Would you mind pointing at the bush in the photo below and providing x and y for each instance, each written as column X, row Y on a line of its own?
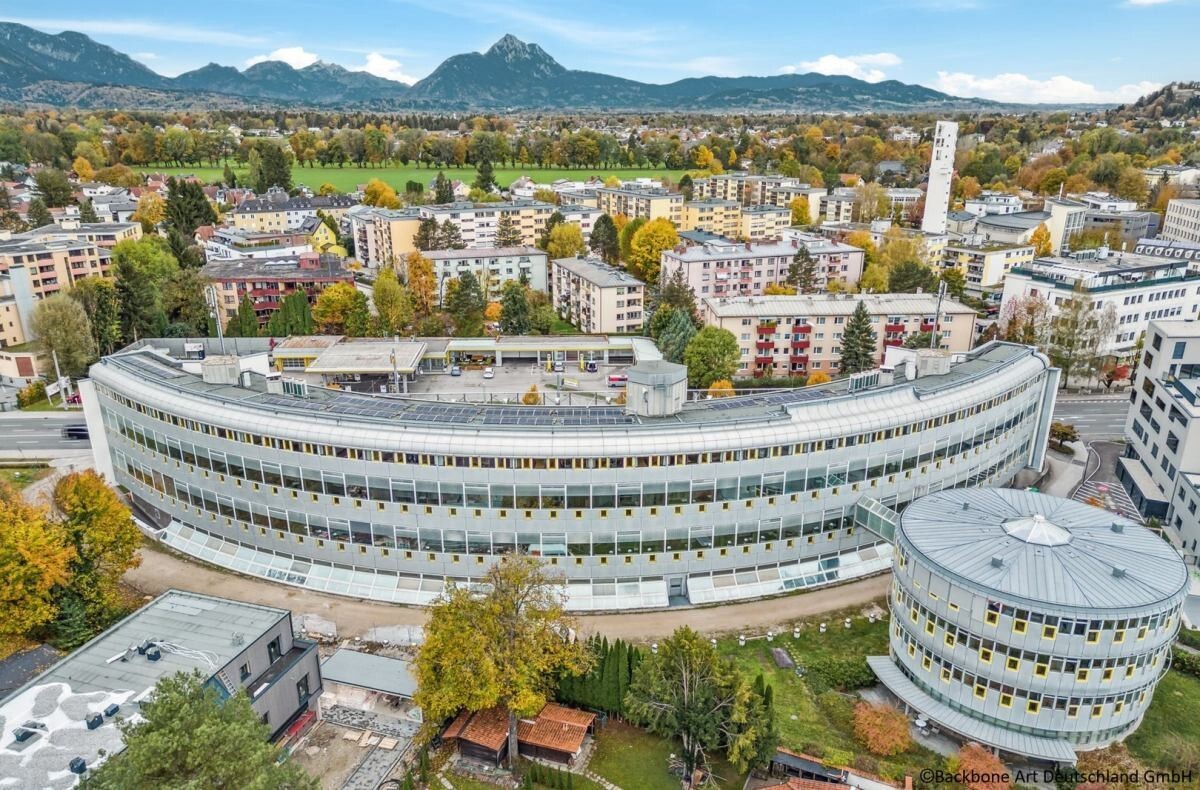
column 838, row 758
column 1190, row 637
column 770, row 383
column 843, row 674
column 883, row 729
column 1188, row 663
column 34, row 393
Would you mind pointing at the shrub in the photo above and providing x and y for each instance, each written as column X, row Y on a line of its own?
column 881, row 728
column 820, row 377
column 838, row 758
column 531, row 397
column 983, row 769
column 35, row 392
column 1190, row 637
column 843, row 674
column 1188, row 663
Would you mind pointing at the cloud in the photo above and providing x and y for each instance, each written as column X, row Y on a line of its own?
column 296, row 57
column 136, row 28
column 1147, row 2
column 385, row 67
column 1059, row 89
column 864, row 67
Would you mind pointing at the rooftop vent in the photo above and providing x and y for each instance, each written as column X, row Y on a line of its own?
column 78, row 766
column 153, row 653
column 997, row 561
column 94, row 721
column 1118, row 572
column 966, row 505
column 1118, row 527
column 111, row 710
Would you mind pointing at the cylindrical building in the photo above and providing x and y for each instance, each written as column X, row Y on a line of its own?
column 639, row 506
column 1033, row 624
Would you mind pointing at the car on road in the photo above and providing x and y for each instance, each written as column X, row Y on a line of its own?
column 455, row 370
column 76, row 431
column 489, row 373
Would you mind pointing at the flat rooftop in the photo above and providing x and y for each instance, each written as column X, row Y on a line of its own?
column 194, row 631
column 598, row 273
column 369, row 356
column 286, row 266
column 820, row 304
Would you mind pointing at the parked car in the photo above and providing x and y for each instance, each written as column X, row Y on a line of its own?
column 591, row 367
column 74, row 400
column 558, row 366
column 455, row 370
column 488, row 373
column 617, row 380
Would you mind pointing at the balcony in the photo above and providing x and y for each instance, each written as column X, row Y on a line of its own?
column 764, row 359
column 766, row 329
column 927, row 326
column 798, row 343
column 803, row 329
column 799, row 359
column 764, row 345
column 893, row 341
column 893, row 327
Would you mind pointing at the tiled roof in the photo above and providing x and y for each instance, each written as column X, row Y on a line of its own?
column 487, row 728
column 561, row 713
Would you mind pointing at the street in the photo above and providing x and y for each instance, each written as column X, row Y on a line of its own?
column 1094, row 417
column 24, row 432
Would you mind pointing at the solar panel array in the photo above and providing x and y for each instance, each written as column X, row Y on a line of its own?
column 784, row 398
column 151, row 368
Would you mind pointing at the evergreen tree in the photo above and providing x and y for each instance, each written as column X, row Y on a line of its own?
column 686, row 186
column 426, row 237
column 189, row 255
column 507, row 232
column 485, row 178
column 229, row 178
column 243, row 323
column 675, row 336
column 858, row 342
column 450, row 237
column 39, row 216
column 677, row 294
column 910, row 277
column 70, row 628
column 294, row 317
column 98, row 296
column 802, row 272
column 466, row 305
column 514, row 309
column 552, row 221
column 87, row 212
column 604, row 241
column 187, row 207
column 443, row 192
column 275, row 168
column 138, row 300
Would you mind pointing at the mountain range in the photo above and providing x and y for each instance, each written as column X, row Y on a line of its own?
column 70, row 69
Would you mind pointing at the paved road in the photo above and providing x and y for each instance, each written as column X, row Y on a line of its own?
column 23, row 432
column 1094, row 418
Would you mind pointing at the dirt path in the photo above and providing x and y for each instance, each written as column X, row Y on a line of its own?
column 161, row 570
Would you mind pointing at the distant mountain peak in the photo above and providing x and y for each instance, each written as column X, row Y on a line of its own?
column 515, row 52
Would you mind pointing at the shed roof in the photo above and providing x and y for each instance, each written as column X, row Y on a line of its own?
column 369, row 671
column 487, row 728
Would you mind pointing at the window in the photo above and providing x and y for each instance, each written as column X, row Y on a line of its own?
column 302, row 689
column 1019, row 626
column 1049, row 631
column 244, row 671
column 1013, row 664
column 1033, row 706
column 273, row 652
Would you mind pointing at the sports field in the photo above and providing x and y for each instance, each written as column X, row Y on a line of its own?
column 345, row 179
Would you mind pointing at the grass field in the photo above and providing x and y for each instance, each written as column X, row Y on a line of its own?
column 1170, row 725
column 633, row 758
column 345, row 179
column 20, row 476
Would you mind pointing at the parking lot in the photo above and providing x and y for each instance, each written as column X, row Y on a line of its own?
column 513, row 379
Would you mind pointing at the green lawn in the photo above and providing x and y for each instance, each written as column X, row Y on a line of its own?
column 346, row 179
column 811, row 717
column 20, row 476
column 46, row 405
column 633, row 759
column 1170, row 730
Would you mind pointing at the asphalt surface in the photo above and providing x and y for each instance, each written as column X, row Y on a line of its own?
column 23, row 432
column 1094, row 418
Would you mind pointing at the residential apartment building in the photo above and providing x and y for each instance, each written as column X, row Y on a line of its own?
column 268, row 281
column 279, row 212
column 728, row 268
column 713, row 215
column 1062, row 218
column 477, row 222
column 644, row 203
column 1140, row 288
column 1161, row 464
column 1182, row 221
column 993, row 203
column 596, row 297
column 985, row 265
column 797, row 335
column 101, row 234
column 232, row 243
column 931, row 246
column 758, row 223
column 751, row 190
column 838, row 206
column 784, row 195
column 492, row 267
column 16, row 306
column 383, row 236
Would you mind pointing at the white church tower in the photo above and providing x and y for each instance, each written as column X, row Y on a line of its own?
column 941, row 170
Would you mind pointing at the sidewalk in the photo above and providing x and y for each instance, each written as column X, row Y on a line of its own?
column 41, row 415
column 1065, row 476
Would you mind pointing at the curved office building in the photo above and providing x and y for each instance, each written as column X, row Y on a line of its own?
column 666, row 500
column 1032, row 624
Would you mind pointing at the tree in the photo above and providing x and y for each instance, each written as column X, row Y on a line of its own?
column 531, row 397
column 466, row 304
column 62, row 327
column 625, row 237
column 142, row 268
column 53, row 187
column 647, row 246
column 911, row 277
column 899, row 248
column 552, row 222
column 244, row 322
column 184, row 303
column 341, row 309
column 1079, row 333
column 721, row 388
column 294, row 316
column 955, row 281
column 422, row 284
column 678, row 294
column 687, row 691
column 98, row 297
column 392, row 302
column 35, row 559
column 1040, row 239
column 184, row 249
column 711, row 354
column 87, row 212
column 187, row 207
column 862, row 239
column 604, row 240
column 801, row 213
column 1025, row 320
column 819, row 377
column 83, row 169
column 504, row 642
column 565, row 241
column 378, row 193
column 984, row 769
column 274, row 169
column 485, row 177
column 38, row 215
column 675, row 335
column 443, row 192
column 1061, row 433
column 426, row 237
column 186, row 736
column 514, row 309
column 858, row 342
column 508, row 234
column 450, row 237
column 101, row 530
column 151, row 210
column 802, row 272
column 882, row 728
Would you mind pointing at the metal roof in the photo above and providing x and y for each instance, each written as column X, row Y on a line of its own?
column 963, row 724
column 369, row 671
column 1076, row 556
